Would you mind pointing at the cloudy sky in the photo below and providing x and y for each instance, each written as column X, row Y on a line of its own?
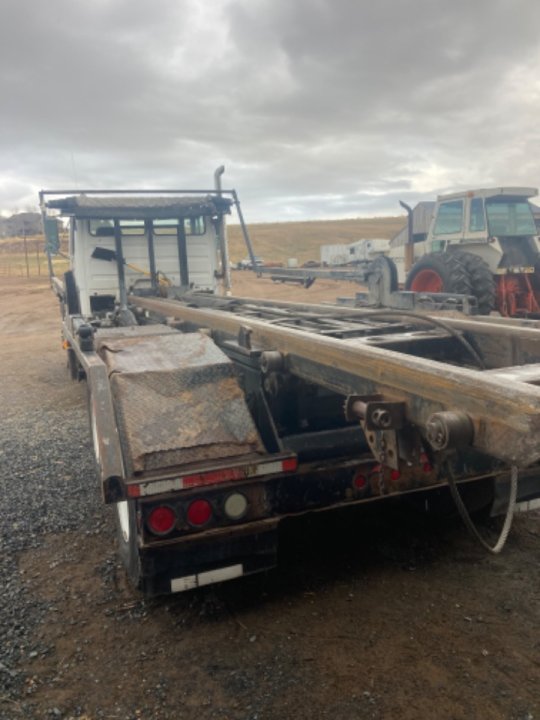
column 317, row 108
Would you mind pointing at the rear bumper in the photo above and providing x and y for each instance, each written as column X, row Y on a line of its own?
column 205, row 559
column 226, row 551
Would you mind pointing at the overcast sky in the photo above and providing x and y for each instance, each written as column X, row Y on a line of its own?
column 317, row 108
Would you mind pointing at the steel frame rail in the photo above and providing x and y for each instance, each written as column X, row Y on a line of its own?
column 504, row 414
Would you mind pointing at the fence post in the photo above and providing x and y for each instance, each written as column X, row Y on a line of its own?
column 26, row 254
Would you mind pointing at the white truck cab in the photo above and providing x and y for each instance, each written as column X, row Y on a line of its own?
column 167, row 243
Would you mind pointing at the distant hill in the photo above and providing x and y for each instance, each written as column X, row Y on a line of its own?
column 302, row 240
column 272, row 241
column 18, row 224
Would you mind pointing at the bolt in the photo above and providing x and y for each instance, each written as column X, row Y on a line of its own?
column 381, row 418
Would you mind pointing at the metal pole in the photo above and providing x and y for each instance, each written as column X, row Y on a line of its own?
column 247, row 239
column 222, row 235
column 120, row 265
column 26, row 254
column 37, row 259
column 409, row 246
column 151, row 253
column 182, row 253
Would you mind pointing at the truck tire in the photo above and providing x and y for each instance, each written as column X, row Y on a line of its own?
column 439, row 273
column 126, row 532
column 75, row 370
column 482, row 280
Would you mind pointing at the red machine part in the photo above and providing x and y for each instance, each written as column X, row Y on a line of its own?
column 516, row 295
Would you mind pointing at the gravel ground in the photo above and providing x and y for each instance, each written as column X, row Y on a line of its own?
column 378, row 615
column 43, row 460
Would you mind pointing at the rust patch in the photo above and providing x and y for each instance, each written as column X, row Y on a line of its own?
column 177, row 402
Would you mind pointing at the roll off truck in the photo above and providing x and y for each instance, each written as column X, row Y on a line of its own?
column 214, row 417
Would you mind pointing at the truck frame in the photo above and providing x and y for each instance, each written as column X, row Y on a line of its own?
column 213, row 418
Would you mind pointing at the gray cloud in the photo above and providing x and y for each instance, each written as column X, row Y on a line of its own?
column 318, row 108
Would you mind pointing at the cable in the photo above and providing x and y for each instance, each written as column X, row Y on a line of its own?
column 437, row 323
column 471, row 527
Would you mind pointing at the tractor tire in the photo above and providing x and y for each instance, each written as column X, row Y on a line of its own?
column 482, row 280
column 439, row 273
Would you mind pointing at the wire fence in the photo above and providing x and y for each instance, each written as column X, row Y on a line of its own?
column 26, row 257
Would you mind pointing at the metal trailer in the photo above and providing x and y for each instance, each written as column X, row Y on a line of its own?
column 213, row 418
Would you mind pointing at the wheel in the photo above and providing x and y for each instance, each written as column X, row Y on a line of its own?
column 382, row 279
column 482, row 280
column 126, row 532
column 72, row 296
column 439, row 273
column 75, row 370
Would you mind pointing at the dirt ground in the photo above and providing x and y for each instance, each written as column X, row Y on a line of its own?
column 373, row 614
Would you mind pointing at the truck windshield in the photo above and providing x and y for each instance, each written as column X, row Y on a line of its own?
column 509, row 217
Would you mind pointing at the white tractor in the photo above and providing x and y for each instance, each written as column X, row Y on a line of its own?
column 482, row 243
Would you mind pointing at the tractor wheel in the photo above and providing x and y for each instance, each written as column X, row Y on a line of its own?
column 482, row 280
column 439, row 273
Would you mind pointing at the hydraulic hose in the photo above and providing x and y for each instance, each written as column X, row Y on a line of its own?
column 435, row 323
column 469, row 524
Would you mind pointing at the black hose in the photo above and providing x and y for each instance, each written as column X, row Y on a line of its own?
column 436, row 323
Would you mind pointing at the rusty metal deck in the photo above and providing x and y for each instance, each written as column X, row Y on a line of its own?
column 176, row 398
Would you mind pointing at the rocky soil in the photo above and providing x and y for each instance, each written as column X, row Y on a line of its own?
column 374, row 614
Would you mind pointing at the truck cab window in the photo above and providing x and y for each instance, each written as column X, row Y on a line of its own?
column 168, row 226
column 101, row 228
column 132, row 227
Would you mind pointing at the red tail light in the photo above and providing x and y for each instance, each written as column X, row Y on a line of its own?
column 426, row 465
column 199, row 512
column 161, row 520
column 360, row 481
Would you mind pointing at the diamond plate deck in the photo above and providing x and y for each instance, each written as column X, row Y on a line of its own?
column 177, row 401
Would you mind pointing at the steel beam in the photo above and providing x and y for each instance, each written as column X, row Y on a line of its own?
column 105, row 437
column 505, row 415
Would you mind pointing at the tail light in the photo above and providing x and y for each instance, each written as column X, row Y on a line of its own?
column 235, row 506
column 360, row 481
column 199, row 513
column 426, row 465
column 161, row 520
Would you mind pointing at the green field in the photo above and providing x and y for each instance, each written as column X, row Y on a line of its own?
column 272, row 241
